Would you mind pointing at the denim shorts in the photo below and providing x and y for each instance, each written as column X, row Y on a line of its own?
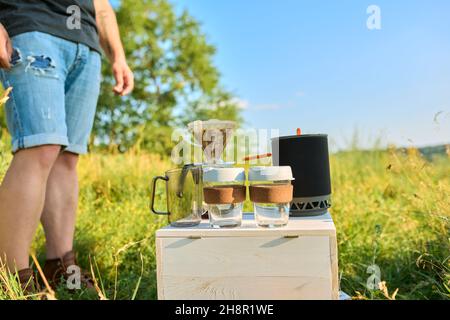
column 56, row 84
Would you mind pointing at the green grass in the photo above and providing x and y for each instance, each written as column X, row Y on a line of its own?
column 390, row 209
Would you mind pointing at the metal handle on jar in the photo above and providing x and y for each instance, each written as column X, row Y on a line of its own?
column 152, row 200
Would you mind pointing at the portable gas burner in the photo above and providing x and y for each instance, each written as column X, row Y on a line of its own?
column 308, row 157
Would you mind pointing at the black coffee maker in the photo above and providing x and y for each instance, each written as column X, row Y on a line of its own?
column 309, row 159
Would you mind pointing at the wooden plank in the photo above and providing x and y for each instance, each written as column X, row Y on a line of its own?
column 334, row 267
column 233, row 257
column 321, row 225
column 246, row 288
column 159, row 266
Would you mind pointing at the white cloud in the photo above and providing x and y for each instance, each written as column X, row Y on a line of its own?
column 241, row 104
column 272, row 106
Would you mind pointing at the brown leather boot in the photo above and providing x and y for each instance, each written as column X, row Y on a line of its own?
column 27, row 280
column 57, row 273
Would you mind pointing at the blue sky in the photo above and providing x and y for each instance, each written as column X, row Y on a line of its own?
column 315, row 65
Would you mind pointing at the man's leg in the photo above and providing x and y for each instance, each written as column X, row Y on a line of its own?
column 82, row 90
column 22, row 196
column 59, row 214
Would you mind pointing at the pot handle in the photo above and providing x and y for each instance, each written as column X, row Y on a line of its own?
column 152, row 200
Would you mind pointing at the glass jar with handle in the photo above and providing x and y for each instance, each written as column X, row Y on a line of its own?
column 184, row 196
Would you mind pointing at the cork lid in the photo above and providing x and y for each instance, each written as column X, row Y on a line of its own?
column 270, row 174
column 214, row 174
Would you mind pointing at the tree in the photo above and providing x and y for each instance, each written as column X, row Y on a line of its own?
column 175, row 78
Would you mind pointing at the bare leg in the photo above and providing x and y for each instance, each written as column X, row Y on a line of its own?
column 59, row 214
column 22, row 196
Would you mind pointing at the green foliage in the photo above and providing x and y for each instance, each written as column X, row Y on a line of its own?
column 174, row 73
column 2, row 112
column 2, row 122
column 157, row 139
column 221, row 105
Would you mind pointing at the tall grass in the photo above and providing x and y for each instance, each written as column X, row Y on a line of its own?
column 391, row 209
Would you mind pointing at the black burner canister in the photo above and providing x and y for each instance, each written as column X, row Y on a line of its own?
column 309, row 159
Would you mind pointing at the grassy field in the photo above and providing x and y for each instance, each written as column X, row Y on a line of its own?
column 391, row 209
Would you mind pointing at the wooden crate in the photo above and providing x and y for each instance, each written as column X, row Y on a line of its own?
column 298, row 261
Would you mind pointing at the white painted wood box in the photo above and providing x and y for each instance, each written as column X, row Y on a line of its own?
column 298, row 261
